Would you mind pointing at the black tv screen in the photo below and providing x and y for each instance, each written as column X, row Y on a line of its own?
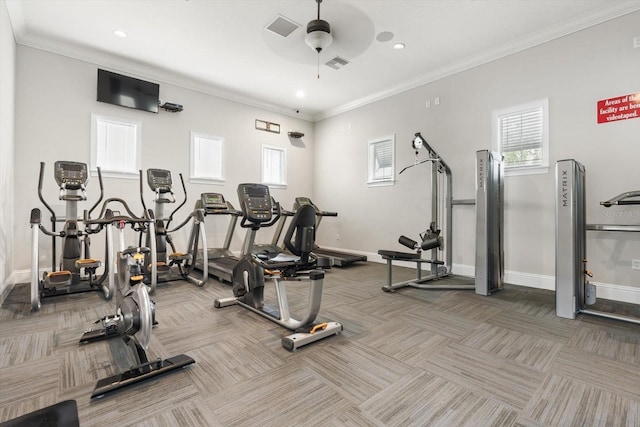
column 127, row 91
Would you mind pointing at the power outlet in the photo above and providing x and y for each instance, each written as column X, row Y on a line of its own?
column 338, row 238
column 635, row 264
column 636, row 42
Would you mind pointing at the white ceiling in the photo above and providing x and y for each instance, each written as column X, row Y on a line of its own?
column 222, row 47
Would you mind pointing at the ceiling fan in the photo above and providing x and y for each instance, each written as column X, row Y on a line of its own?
column 318, row 35
column 321, row 36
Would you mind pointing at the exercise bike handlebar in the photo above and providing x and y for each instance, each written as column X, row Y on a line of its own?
column 276, row 213
column 107, row 217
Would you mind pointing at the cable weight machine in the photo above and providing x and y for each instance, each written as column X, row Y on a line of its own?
column 438, row 237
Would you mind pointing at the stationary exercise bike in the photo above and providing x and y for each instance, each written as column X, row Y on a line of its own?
column 135, row 315
column 134, row 320
column 250, row 272
column 67, row 277
column 108, row 219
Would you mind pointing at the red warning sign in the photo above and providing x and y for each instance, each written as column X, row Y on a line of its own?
column 619, row 108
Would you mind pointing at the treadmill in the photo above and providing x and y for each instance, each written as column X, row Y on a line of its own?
column 340, row 259
column 221, row 260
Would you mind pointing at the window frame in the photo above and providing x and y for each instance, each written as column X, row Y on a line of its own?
column 498, row 115
column 220, row 180
column 371, row 180
column 130, row 174
column 283, row 169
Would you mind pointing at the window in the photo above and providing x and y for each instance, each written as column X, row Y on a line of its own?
column 207, row 166
column 115, row 146
column 274, row 166
column 381, row 161
column 521, row 134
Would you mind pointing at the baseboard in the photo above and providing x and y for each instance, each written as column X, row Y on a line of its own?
column 609, row 291
column 8, row 286
column 23, row 276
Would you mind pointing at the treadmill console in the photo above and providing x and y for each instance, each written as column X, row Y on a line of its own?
column 303, row 201
column 255, row 201
column 70, row 175
column 159, row 180
column 212, row 202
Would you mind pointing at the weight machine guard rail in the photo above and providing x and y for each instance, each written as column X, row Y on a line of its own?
column 613, row 227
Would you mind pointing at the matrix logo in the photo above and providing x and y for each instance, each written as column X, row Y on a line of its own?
column 565, row 188
column 481, row 173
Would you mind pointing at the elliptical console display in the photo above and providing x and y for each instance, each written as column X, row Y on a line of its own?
column 159, row 180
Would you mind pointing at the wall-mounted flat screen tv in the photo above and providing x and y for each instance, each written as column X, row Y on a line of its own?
column 127, row 91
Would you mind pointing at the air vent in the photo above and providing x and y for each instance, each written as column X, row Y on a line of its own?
column 336, row 63
column 282, row 26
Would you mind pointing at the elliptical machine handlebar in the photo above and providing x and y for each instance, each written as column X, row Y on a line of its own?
column 184, row 191
column 101, row 191
column 41, row 197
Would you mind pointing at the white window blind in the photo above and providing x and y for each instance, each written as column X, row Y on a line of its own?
column 522, row 137
column 115, row 146
column 381, row 160
column 274, row 165
column 207, row 164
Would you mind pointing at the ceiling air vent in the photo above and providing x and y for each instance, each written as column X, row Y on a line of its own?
column 336, row 63
column 282, row 26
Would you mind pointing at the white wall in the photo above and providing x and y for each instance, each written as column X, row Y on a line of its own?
column 55, row 96
column 7, row 112
column 573, row 72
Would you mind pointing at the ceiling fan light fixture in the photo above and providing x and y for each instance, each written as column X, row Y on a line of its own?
column 318, row 35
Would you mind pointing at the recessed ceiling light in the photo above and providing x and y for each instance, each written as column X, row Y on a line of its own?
column 300, row 94
column 120, row 33
column 398, row 46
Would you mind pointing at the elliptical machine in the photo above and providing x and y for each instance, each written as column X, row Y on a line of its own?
column 164, row 266
column 67, row 277
column 249, row 274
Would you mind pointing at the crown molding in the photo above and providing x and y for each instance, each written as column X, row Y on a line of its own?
column 616, row 10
